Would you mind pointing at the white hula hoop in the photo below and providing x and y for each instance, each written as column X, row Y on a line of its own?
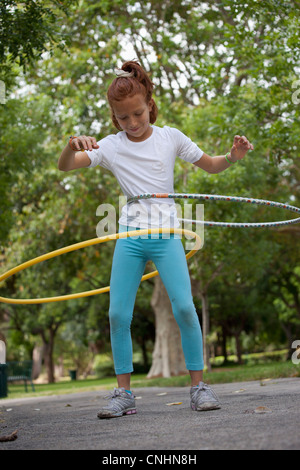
column 216, row 197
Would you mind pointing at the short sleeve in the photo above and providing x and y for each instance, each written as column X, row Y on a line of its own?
column 186, row 149
column 104, row 155
column 95, row 156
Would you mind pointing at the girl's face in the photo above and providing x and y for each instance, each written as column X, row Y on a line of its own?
column 133, row 116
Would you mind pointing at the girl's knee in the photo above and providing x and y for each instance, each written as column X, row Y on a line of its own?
column 185, row 314
column 119, row 317
column 114, row 315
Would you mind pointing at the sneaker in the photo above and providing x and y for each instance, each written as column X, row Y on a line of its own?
column 203, row 398
column 121, row 403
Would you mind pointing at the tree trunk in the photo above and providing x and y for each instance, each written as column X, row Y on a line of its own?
column 238, row 347
column 224, row 349
column 48, row 355
column 2, row 337
column 167, row 357
column 205, row 330
column 37, row 357
column 289, row 336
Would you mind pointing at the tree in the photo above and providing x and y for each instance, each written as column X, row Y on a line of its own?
column 283, row 284
column 220, row 69
column 28, row 29
column 167, row 358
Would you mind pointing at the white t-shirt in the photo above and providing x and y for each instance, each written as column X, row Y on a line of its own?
column 146, row 167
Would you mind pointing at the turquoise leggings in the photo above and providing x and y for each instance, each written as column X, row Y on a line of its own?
column 130, row 258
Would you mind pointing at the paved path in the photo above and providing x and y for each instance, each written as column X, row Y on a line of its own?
column 70, row 421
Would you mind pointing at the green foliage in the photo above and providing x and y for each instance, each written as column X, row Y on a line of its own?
column 29, row 28
column 263, row 371
column 220, row 69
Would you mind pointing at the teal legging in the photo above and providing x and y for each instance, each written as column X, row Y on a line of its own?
column 130, row 258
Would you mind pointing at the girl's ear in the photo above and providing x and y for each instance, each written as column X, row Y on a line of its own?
column 152, row 110
column 115, row 121
column 150, row 105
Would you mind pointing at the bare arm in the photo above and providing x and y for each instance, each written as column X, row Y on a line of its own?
column 240, row 147
column 71, row 159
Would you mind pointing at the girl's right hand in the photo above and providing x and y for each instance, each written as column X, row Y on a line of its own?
column 83, row 143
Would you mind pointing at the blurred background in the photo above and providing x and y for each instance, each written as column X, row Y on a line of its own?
column 220, row 68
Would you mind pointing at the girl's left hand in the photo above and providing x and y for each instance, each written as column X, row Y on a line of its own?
column 240, row 147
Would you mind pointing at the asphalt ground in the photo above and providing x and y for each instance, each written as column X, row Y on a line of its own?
column 257, row 415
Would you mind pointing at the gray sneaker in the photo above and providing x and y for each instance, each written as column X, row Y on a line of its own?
column 121, row 403
column 203, row 398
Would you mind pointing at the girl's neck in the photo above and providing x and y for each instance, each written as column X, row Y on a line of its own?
column 141, row 138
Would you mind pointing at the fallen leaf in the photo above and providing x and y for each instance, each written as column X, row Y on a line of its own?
column 11, row 437
column 262, row 382
column 262, row 409
column 240, row 391
column 175, row 403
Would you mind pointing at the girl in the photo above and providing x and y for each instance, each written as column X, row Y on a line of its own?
column 142, row 158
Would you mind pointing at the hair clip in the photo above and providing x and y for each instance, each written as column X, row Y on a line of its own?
column 122, row 73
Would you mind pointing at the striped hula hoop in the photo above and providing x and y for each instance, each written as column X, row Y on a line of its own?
column 216, row 197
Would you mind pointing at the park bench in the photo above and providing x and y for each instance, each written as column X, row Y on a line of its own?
column 20, row 370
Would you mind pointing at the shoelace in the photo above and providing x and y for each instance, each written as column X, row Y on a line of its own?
column 115, row 394
column 205, row 387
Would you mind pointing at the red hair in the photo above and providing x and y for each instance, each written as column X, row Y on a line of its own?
column 124, row 87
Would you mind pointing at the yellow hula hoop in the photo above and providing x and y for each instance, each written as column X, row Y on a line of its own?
column 78, row 246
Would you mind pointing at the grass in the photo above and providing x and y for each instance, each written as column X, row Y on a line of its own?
column 232, row 373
